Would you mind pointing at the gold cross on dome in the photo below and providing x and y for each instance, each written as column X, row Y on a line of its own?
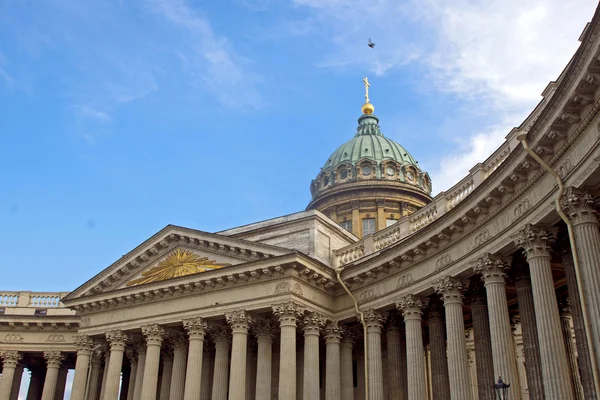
column 367, row 84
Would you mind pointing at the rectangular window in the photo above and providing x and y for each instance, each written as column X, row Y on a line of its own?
column 390, row 222
column 347, row 225
column 368, row 226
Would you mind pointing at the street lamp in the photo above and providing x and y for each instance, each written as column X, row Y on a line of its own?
column 501, row 389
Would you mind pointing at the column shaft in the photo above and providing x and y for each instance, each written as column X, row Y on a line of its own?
column 10, row 360
column 53, row 360
column 167, row 377
column 177, row 386
column 84, row 352
column 553, row 356
column 93, row 389
column 287, row 314
column 16, row 386
column 393, row 359
column 196, row 329
column 264, row 367
column 221, row 374
column 411, row 308
column 437, row 345
column 36, row 383
column 132, row 374
column 139, row 374
column 208, row 365
column 533, row 363
column 333, row 383
column 460, row 382
column 117, row 341
column 565, row 321
column 584, row 360
column 311, row 366
column 347, row 379
column 484, row 364
column 154, row 337
column 61, row 384
column 374, row 324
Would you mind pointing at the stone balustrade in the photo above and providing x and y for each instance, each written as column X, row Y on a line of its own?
column 32, row 299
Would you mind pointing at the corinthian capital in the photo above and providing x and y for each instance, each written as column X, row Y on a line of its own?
column 117, row 339
column 313, row 323
column 451, row 289
column 195, row 327
column 84, row 344
column 288, row 313
column 333, row 332
column 10, row 358
column 535, row 241
column 374, row 319
column 239, row 321
column 263, row 328
column 154, row 334
column 411, row 306
column 53, row 358
column 491, row 268
column 579, row 206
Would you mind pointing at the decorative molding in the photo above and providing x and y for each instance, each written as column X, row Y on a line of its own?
column 288, row 287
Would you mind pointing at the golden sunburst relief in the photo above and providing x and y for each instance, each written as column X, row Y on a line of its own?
column 179, row 263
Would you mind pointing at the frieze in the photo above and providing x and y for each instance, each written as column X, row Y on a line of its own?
column 367, row 295
column 55, row 339
column 12, row 338
column 443, row 262
column 521, row 208
column 564, row 168
column 482, row 237
column 288, row 287
column 404, row 281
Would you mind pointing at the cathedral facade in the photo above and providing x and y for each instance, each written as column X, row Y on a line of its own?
column 376, row 291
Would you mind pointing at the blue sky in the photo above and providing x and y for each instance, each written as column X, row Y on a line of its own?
column 120, row 117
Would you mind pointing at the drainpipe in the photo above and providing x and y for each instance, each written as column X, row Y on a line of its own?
column 561, row 188
column 361, row 315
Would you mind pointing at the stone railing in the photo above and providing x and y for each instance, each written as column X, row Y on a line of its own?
column 442, row 203
column 32, row 299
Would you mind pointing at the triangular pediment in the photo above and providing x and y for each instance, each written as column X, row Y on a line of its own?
column 172, row 253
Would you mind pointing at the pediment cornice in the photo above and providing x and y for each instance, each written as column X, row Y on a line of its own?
column 165, row 241
column 295, row 264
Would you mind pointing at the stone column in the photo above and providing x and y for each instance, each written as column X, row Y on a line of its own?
column 139, row 374
column 167, row 372
column 196, row 329
column 287, row 314
column 347, row 378
column 117, row 340
column 133, row 361
column 221, row 374
column 177, row 386
column 10, row 360
column 451, row 290
column 239, row 321
column 333, row 383
column 104, row 372
column 53, row 360
column 154, row 337
column 394, row 374
column 61, row 384
column 264, row 334
column 208, row 366
column 579, row 206
column 85, row 345
column 565, row 321
column 374, row 321
column 411, row 308
column 312, row 326
column 555, row 374
column 437, row 344
column 531, row 349
column 36, row 383
column 584, row 360
column 484, row 360
column 251, row 362
column 503, row 350
column 93, row 389
column 16, row 386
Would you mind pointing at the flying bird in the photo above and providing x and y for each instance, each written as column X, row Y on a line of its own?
column 371, row 44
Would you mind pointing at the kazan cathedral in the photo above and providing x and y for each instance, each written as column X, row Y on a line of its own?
column 490, row 290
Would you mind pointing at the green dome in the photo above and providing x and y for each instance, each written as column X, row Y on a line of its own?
column 369, row 143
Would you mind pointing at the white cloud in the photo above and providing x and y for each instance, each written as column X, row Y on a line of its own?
column 90, row 112
column 497, row 57
column 210, row 57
